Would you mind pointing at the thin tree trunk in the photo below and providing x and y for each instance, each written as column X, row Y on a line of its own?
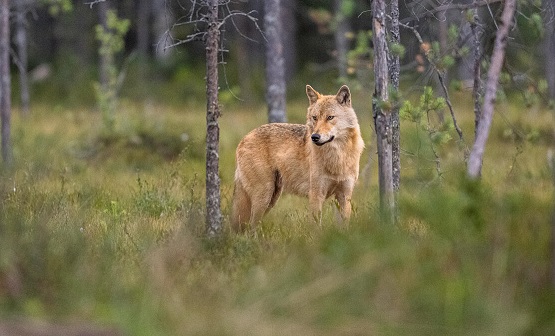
column 553, row 229
column 143, row 44
column 341, row 42
column 289, row 37
column 465, row 66
column 161, row 25
column 497, row 58
column 382, row 114
column 242, row 52
column 395, row 72
column 275, row 63
column 5, row 81
column 143, row 28
column 21, row 41
column 477, row 85
column 105, row 59
column 443, row 21
column 213, row 210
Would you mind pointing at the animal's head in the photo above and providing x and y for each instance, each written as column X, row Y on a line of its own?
column 330, row 117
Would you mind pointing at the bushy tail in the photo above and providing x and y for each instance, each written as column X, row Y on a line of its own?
column 241, row 210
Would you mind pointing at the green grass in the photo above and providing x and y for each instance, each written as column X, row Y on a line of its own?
column 109, row 228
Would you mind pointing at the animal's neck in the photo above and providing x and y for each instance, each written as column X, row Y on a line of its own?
column 337, row 156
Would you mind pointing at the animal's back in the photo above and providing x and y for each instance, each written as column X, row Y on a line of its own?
column 277, row 148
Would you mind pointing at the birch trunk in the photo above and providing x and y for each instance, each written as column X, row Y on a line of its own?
column 213, row 210
column 341, row 42
column 21, row 41
column 275, row 62
column 105, row 58
column 395, row 72
column 477, row 85
column 497, row 58
column 381, row 113
column 5, row 88
column 143, row 28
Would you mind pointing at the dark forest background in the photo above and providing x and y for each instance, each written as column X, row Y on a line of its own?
column 63, row 53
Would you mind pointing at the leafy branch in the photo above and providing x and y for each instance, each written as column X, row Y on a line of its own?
column 439, row 68
column 420, row 115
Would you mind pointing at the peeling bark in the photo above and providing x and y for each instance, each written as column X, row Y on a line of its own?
column 381, row 113
column 395, row 72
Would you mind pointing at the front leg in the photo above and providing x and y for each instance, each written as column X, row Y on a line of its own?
column 316, row 199
column 343, row 196
column 344, row 203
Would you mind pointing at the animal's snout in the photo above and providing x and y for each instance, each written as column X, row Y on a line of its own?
column 315, row 137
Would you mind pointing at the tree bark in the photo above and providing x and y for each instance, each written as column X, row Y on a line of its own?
column 143, row 28
column 497, row 58
column 443, row 20
column 21, row 41
column 381, row 112
column 395, row 73
column 289, row 37
column 465, row 64
column 243, row 52
column 105, row 59
column 161, row 24
column 5, row 82
column 275, row 62
column 477, row 82
column 213, row 210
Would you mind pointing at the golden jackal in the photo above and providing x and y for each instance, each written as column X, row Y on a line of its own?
column 318, row 160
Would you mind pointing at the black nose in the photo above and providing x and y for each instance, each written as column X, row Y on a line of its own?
column 315, row 137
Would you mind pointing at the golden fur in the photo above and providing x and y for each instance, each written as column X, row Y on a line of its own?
column 315, row 160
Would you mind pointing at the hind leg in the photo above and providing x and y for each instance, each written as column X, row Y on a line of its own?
column 262, row 199
column 251, row 204
column 241, row 210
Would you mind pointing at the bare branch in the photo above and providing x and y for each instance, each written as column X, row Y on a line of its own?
column 448, row 101
column 442, row 82
column 433, row 11
column 94, row 2
column 198, row 36
column 249, row 15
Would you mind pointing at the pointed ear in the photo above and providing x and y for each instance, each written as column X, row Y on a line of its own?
column 344, row 96
column 312, row 94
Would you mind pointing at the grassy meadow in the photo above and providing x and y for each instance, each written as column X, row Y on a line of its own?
column 107, row 229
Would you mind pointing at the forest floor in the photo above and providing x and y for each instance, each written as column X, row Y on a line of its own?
column 108, row 228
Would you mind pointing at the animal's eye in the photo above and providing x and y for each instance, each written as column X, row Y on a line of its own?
column 314, row 118
column 330, row 117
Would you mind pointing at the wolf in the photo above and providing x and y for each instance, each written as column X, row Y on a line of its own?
column 317, row 160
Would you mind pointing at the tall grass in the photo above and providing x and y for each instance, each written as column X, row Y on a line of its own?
column 111, row 230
